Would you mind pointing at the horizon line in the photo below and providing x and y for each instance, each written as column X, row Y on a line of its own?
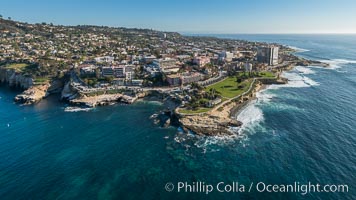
column 256, row 33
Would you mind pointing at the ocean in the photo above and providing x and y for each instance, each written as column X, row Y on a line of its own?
column 296, row 133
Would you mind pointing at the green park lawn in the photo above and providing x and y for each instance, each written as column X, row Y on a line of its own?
column 40, row 81
column 267, row 74
column 229, row 87
column 199, row 110
column 19, row 67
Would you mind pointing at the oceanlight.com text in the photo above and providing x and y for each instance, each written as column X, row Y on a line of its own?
column 236, row 187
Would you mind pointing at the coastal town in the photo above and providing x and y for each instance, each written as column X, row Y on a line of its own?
column 209, row 79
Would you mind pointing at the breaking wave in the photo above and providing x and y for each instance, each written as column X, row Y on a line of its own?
column 252, row 115
column 77, row 109
column 304, row 70
column 338, row 63
column 158, row 103
column 298, row 49
column 295, row 80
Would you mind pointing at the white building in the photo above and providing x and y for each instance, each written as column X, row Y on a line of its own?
column 165, row 63
column 248, row 67
column 201, row 61
column 108, row 59
column 226, row 56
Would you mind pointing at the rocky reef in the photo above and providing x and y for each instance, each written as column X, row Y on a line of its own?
column 209, row 125
column 36, row 93
column 101, row 100
column 32, row 95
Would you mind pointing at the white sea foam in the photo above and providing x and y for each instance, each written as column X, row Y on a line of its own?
column 264, row 96
column 298, row 49
column 295, row 80
column 77, row 109
column 251, row 116
column 338, row 63
column 204, row 141
column 155, row 103
column 304, row 70
column 309, row 81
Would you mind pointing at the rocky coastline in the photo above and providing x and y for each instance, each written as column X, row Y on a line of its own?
column 219, row 121
column 216, row 122
column 105, row 99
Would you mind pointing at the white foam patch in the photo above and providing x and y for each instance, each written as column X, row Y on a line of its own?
column 155, row 103
column 295, row 80
column 205, row 142
column 264, row 96
column 77, row 109
column 338, row 63
column 298, row 49
column 304, row 70
column 250, row 116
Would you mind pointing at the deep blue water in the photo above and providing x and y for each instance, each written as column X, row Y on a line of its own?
column 300, row 132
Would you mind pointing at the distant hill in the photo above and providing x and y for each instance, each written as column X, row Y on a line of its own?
column 22, row 27
column 9, row 25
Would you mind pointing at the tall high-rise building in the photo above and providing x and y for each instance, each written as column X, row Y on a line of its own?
column 268, row 55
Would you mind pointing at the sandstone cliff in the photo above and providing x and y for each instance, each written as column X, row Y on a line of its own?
column 15, row 79
column 32, row 95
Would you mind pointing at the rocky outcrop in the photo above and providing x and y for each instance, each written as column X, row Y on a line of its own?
column 15, row 79
column 102, row 100
column 209, row 125
column 32, row 95
column 269, row 81
column 56, row 86
column 69, row 92
column 164, row 119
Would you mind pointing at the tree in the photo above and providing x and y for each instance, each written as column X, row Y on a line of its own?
column 1, row 16
column 9, row 18
column 109, row 79
column 238, row 80
column 97, row 73
column 211, row 93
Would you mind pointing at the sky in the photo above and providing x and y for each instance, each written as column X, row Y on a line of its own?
column 193, row 16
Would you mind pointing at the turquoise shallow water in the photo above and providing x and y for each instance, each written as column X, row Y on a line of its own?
column 304, row 131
